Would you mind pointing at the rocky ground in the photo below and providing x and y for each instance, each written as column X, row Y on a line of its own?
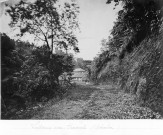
column 95, row 102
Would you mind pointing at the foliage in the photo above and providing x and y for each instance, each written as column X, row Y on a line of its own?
column 101, row 61
column 33, row 72
column 12, row 61
column 49, row 22
column 137, row 20
column 28, row 74
column 84, row 64
column 133, row 52
column 55, row 25
column 57, row 65
column 79, row 63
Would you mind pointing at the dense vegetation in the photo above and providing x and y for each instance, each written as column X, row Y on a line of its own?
column 33, row 74
column 27, row 74
column 132, row 56
column 84, row 64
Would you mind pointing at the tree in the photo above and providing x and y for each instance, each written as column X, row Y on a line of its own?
column 49, row 22
column 58, row 64
column 29, row 75
column 104, row 45
column 52, row 23
column 79, row 63
column 11, row 60
column 137, row 20
column 13, row 57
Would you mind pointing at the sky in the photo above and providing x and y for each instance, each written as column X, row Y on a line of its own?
column 96, row 19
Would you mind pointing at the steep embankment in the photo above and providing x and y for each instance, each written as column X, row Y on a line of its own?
column 143, row 72
column 139, row 72
column 133, row 55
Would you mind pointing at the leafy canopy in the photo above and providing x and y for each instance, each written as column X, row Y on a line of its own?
column 50, row 22
column 137, row 20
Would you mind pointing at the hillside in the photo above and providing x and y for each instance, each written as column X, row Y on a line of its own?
column 144, row 72
column 132, row 56
column 139, row 73
column 124, row 81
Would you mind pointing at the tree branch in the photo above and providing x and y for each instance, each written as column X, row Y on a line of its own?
column 39, row 37
column 46, row 40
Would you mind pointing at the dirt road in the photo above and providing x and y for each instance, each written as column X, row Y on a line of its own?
column 96, row 102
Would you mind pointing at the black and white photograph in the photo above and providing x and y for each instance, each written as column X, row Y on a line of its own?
column 81, row 60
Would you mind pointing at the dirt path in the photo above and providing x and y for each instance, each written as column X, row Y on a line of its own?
column 96, row 102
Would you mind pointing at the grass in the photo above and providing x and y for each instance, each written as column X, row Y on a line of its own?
column 91, row 102
column 81, row 92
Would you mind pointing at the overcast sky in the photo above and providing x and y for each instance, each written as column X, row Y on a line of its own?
column 96, row 20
